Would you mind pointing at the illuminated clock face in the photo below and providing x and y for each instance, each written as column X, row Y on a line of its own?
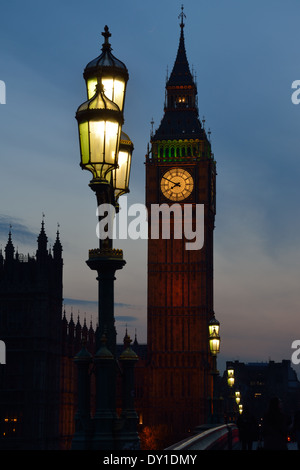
column 177, row 184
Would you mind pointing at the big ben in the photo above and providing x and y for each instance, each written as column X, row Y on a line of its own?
column 181, row 171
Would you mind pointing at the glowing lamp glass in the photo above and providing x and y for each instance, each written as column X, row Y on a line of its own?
column 230, row 377
column 214, row 343
column 91, row 87
column 121, row 174
column 114, row 89
column 213, row 329
column 214, row 326
column 99, row 125
column 230, row 381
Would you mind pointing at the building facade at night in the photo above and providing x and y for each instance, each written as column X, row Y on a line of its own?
column 39, row 381
column 180, row 172
column 257, row 383
column 30, row 326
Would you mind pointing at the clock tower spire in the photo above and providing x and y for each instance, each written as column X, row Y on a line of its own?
column 180, row 171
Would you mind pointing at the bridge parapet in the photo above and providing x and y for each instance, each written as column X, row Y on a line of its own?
column 223, row 437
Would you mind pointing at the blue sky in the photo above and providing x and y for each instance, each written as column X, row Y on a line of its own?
column 245, row 56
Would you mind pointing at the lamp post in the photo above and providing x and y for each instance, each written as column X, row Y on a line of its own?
column 214, row 345
column 106, row 152
column 214, row 338
column 231, row 397
column 237, row 397
column 230, row 376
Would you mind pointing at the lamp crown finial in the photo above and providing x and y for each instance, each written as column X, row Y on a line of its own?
column 106, row 34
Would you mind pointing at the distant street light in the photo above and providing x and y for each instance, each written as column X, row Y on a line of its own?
column 214, row 338
column 230, row 376
column 214, row 345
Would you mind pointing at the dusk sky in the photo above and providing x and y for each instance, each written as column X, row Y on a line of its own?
column 245, row 55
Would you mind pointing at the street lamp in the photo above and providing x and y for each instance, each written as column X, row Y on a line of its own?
column 106, row 152
column 108, row 158
column 230, row 377
column 120, row 175
column 231, row 395
column 214, row 338
column 113, row 75
column 214, row 345
column 109, row 71
column 99, row 123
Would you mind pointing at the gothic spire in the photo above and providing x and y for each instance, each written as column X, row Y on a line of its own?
column 57, row 247
column 180, row 120
column 9, row 249
column 181, row 74
column 42, row 238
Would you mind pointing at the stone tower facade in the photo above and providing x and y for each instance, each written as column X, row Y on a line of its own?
column 180, row 178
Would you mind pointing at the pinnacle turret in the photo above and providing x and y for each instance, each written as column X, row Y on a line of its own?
column 42, row 241
column 57, row 247
column 9, row 249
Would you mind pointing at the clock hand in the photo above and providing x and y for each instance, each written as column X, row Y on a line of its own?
column 167, row 179
column 170, row 181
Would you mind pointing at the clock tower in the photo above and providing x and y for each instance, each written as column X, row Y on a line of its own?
column 181, row 173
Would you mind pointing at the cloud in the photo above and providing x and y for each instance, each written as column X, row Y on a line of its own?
column 126, row 318
column 92, row 307
column 94, row 303
column 20, row 233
